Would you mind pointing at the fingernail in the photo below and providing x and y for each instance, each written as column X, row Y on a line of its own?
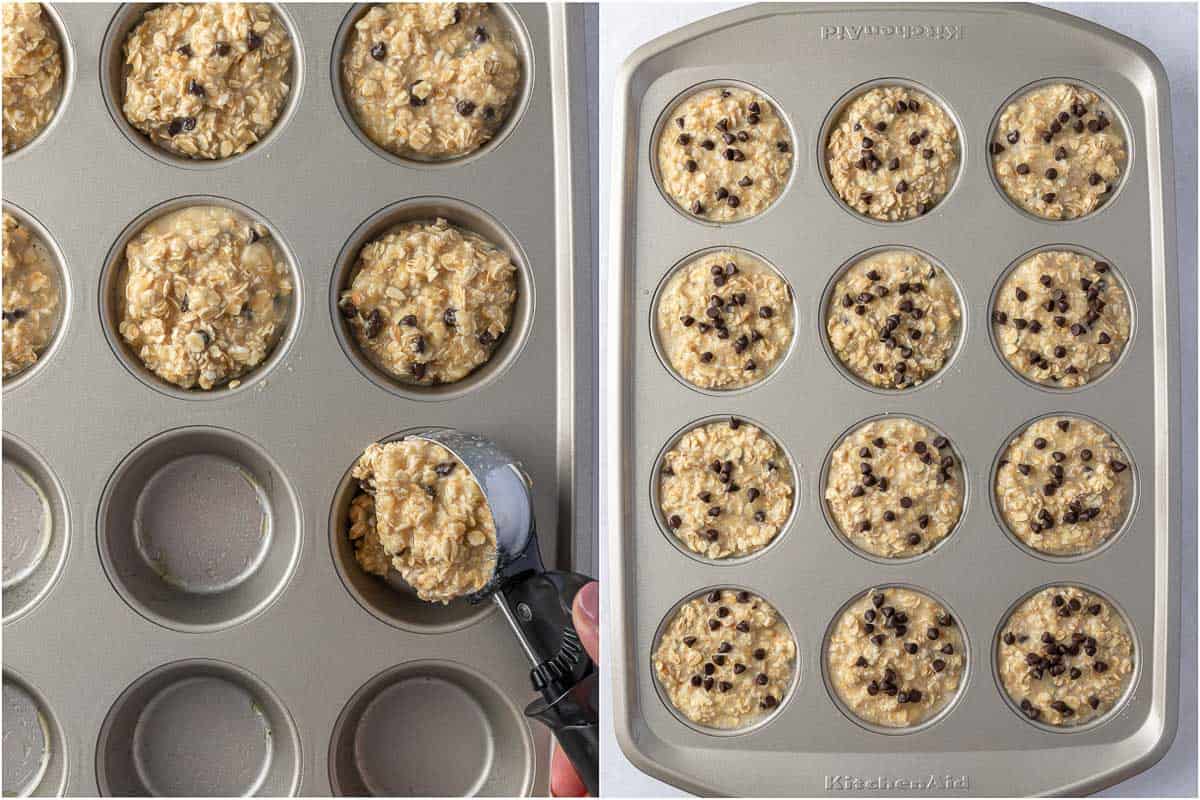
column 589, row 602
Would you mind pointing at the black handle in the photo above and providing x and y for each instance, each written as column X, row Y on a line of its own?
column 572, row 719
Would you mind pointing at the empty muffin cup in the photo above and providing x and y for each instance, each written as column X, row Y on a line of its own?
column 35, row 528
column 199, row 529
column 35, row 756
column 389, row 598
column 198, row 728
column 393, row 737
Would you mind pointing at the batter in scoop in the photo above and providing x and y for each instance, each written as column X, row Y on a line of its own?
column 896, row 657
column 205, row 294
column 1064, row 486
column 725, row 154
column 425, row 516
column 207, row 80
column 893, row 153
column 894, row 319
column 725, row 320
column 428, row 302
column 1061, row 318
column 726, row 659
column 431, row 80
column 894, row 488
column 32, row 297
column 1065, row 656
column 33, row 72
column 1056, row 152
column 725, row 490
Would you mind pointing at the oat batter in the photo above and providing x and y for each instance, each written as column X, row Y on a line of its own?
column 1064, row 486
column 894, row 488
column 725, row 320
column 725, row 489
column 431, row 80
column 894, row 319
column 205, row 295
column 32, row 296
column 726, row 659
column 1065, row 656
column 1061, row 318
column 725, row 154
column 893, row 153
column 896, row 657
column 209, row 80
column 33, row 73
column 1056, row 152
column 426, row 516
column 429, row 302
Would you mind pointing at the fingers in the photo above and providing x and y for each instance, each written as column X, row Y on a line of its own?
column 563, row 780
column 585, row 613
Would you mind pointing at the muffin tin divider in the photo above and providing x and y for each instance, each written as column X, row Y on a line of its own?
column 976, row 233
column 314, row 646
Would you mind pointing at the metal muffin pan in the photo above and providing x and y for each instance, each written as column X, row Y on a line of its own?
column 973, row 58
column 251, row 664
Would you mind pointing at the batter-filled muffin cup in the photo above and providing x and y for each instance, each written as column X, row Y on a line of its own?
column 892, row 153
column 422, row 513
column 725, row 660
column 725, row 319
column 895, row 657
column 33, row 73
column 207, row 81
column 1065, row 656
column 431, row 81
column 428, row 302
column 894, row 488
column 1064, row 486
column 725, row 489
column 1058, row 151
column 724, row 154
column 33, row 296
column 893, row 318
column 1061, row 318
column 203, row 296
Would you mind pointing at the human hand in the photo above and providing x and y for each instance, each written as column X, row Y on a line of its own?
column 585, row 615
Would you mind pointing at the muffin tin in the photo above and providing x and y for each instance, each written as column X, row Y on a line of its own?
column 196, row 622
column 972, row 58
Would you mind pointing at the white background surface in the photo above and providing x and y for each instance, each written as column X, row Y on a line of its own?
column 1169, row 29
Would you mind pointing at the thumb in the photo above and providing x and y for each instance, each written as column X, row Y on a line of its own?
column 585, row 614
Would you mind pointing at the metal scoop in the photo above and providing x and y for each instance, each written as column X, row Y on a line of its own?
column 535, row 601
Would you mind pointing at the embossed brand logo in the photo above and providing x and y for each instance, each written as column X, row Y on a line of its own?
column 855, row 33
column 881, row 783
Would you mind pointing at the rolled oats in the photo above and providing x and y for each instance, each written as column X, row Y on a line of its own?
column 204, row 296
column 33, row 73
column 32, row 297
column 431, row 80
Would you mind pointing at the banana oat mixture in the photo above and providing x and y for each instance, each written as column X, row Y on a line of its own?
column 1064, row 486
column 32, row 297
column 725, row 489
column 1061, row 318
column 33, row 73
column 1056, row 152
column 422, row 513
column 431, row 80
column 895, row 657
column 725, row 320
column 207, row 80
column 894, row 488
column 726, row 659
column 894, row 319
column 725, row 154
column 428, row 302
column 1065, row 656
column 893, row 153
column 205, row 294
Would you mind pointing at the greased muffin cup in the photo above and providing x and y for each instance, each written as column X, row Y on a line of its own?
column 198, row 538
